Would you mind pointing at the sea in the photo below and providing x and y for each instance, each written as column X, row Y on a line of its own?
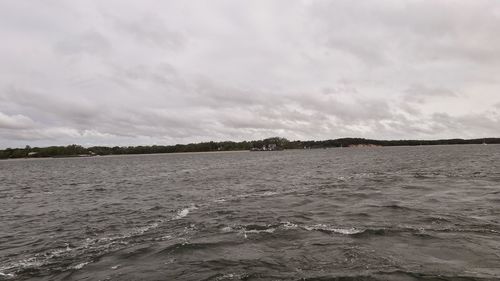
column 378, row 213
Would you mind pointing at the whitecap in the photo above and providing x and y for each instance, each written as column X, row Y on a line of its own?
column 184, row 212
column 269, row 230
column 111, row 239
column 166, row 237
column 269, row 193
column 7, row 275
column 347, row 231
column 79, row 266
column 101, row 244
column 36, row 261
column 32, row 262
column 142, row 230
column 116, row 267
column 256, row 231
column 226, row 229
column 230, row 276
column 289, row 225
column 323, row 227
column 58, row 252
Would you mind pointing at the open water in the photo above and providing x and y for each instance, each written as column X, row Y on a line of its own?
column 391, row 213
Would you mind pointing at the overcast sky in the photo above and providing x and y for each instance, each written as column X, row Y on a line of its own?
column 165, row 72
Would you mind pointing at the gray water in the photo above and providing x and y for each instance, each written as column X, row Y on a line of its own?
column 392, row 213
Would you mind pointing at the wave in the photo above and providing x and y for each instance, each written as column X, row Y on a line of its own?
column 11, row 270
column 255, row 229
column 267, row 230
column 80, row 265
column 330, row 229
column 134, row 232
column 7, row 275
column 228, row 276
column 248, row 195
column 180, row 247
column 226, row 229
column 143, row 229
column 155, row 208
column 397, row 207
column 286, row 225
column 74, row 257
column 184, row 212
column 289, row 225
column 355, row 232
column 436, row 220
column 421, row 231
column 267, row 193
column 400, row 275
column 249, row 229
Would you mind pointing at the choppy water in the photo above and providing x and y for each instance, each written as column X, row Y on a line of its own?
column 401, row 213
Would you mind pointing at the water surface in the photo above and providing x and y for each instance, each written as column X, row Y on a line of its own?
column 392, row 213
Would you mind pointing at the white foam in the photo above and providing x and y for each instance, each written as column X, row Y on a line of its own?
column 102, row 243
column 32, row 262
column 142, row 230
column 226, row 229
column 58, row 252
column 269, row 230
column 116, row 267
column 289, row 225
column 112, row 239
column 230, row 276
column 184, row 212
column 35, row 261
column 7, row 275
column 269, row 193
column 345, row 231
column 80, row 265
column 256, row 231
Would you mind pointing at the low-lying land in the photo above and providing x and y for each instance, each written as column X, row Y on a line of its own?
column 276, row 143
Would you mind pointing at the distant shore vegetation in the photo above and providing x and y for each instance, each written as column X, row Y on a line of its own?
column 275, row 143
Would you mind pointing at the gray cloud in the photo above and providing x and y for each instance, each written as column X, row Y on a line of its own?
column 151, row 30
column 89, row 42
column 420, row 93
column 380, row 32
column 155, row 72
column 17, row 121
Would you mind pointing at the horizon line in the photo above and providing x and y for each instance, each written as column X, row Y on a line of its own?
column 257, row 140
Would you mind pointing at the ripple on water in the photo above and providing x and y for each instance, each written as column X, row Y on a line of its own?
column 366, row 213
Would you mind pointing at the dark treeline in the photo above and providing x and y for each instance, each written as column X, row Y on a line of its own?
column 282, row 143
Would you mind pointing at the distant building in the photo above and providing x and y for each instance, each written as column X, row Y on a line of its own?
column 267, row 147
column 32, row 154
column 364, row 145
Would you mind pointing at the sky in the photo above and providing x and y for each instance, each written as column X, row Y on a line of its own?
column 119, row 72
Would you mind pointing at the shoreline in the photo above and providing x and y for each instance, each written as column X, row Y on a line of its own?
column 237, row 151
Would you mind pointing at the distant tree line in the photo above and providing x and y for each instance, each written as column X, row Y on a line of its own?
column 78, row 150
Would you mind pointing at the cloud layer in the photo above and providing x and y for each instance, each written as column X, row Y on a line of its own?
column 163, row 72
